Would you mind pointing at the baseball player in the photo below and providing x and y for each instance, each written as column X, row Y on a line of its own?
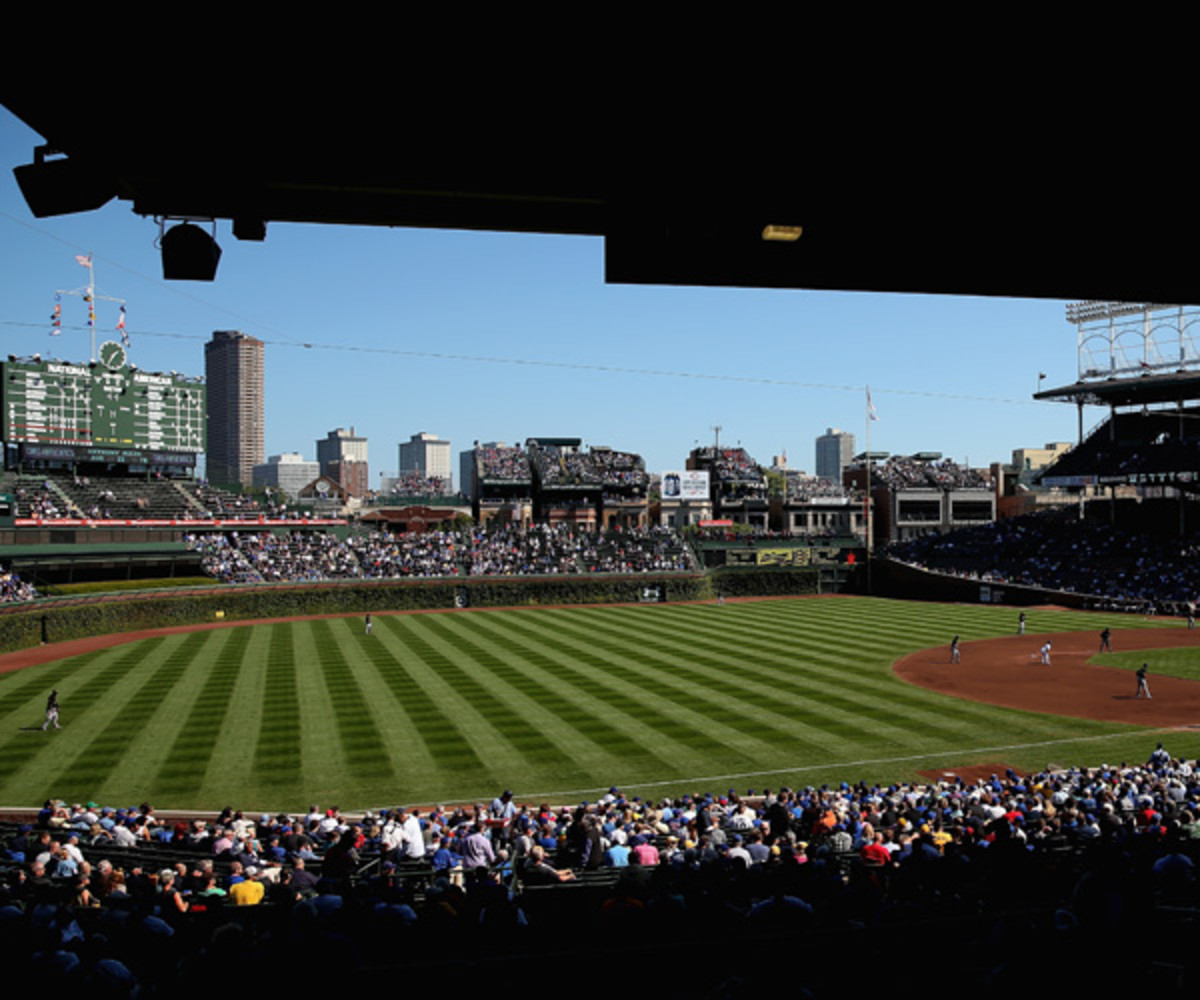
column 51, row 711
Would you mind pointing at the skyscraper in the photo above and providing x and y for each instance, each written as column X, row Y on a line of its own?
column 233, row 367
column 834, row 450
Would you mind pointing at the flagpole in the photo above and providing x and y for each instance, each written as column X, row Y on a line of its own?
column 871, row 417
column 91, row 301
column 869, row 498
column 89, row 297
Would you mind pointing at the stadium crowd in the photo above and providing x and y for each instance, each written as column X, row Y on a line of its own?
column 561, row 466
column 815, row 487
column 14, row 590
column 733, row 464
column 59, row 497
column 901, row 473
column 1067, row 860
column 413, row 484
column 41, row 500
column 1132, row 567
column 503, row 463
column 263, row 557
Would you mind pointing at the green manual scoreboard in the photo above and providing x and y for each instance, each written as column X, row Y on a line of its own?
column 104, row 404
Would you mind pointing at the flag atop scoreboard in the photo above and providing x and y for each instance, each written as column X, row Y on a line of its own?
column 103, row 410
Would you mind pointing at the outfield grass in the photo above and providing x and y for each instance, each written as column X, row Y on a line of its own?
column 553, row 703
column 1183, row 662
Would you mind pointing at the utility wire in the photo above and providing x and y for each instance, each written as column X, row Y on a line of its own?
column 283, row 341
column 569, row 365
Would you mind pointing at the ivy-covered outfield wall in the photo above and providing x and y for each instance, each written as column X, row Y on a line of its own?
column 22, row 626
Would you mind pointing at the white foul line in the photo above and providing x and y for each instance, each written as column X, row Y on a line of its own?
column 848, row 763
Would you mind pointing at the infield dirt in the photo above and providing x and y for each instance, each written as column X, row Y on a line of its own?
column 1009, row 672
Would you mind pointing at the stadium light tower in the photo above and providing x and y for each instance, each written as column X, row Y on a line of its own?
column 1122, row 338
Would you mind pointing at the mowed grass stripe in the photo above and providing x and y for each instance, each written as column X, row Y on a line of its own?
column 823, row 714
column 528, row 742
column 855, row 629
column 573, row 721
column 631, row 694
column 17, row 755
column 446, row 745
column 277, row 751
column 24, row 692
column 912, row 716
column 109, row 750
column 872, row 620
column 362, row 745
column 901, row 714
column 632, row 728
column 717, row 693
column 194, row 742
column 405, row 744
column 936, row 624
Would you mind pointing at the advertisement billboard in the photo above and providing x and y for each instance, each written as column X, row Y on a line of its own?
column 685, row 484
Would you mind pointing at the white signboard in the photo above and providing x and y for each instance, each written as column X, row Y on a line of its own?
column 685, row 485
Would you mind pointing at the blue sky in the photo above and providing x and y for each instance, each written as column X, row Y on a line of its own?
column 948, row 374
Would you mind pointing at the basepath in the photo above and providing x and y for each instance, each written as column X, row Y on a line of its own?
column 1009, row 672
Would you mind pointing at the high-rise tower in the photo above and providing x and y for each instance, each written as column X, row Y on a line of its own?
column 233, row 367
column 834, row 451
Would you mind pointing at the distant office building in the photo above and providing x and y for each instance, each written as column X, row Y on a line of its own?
column 834, row 450
column 427, row 456
column 342, row 456
column 233, row 368
column 1030, row 461
column 288, row 472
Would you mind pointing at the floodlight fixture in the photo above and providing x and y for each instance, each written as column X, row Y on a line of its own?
column 188, row 252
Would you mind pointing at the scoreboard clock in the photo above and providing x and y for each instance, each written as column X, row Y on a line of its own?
column 112, row 355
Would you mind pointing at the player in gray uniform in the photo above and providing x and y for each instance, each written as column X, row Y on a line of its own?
column 51, row 711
